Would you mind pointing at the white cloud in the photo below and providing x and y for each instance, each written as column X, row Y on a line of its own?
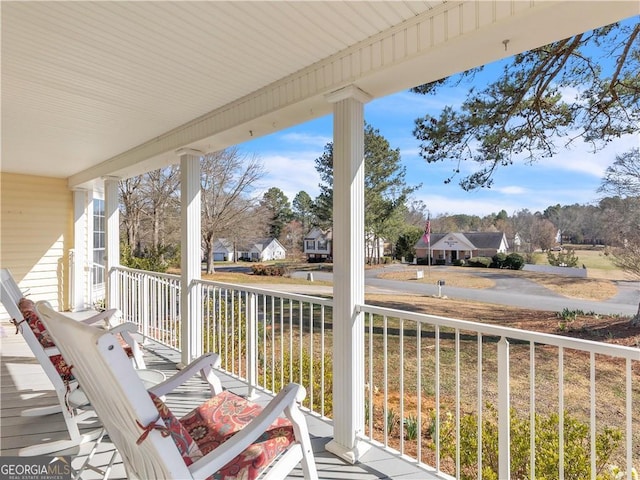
column 512, row 190
column 581, row 158
column 291, row 173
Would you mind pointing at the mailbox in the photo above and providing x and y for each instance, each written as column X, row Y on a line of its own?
column 440, row 283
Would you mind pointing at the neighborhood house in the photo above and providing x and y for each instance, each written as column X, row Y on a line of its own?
column 449, row 247
column 261, row 250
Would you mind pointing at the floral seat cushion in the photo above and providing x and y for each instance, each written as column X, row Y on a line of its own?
column 219, row 418
column 216, row 421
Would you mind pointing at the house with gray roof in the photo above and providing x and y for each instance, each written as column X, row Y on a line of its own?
column 447, row 247
column 261, row 250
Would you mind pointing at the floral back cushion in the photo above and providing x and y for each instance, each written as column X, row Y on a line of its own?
column 28, row 310
column 186, row 446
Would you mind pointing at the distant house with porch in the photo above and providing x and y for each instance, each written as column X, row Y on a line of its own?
column 260, row 250
column 318, row 244
column 448, row 247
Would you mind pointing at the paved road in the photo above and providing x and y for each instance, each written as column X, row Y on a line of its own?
column 507, row 291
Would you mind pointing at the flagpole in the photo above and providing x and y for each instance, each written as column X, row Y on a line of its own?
column 427, row 235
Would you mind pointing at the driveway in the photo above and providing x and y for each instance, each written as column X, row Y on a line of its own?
column 510, row 291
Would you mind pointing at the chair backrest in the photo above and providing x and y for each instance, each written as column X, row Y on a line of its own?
column 10, row 293
column 117, row 394
column 12, row 298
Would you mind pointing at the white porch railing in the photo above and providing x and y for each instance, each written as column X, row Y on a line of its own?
column 462, row 396
column 457, row 396
column 152, row 301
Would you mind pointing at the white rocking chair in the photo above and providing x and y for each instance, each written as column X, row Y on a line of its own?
column 26, row 320
column 154, row 444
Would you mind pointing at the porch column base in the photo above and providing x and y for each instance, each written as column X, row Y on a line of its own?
column 352, row 455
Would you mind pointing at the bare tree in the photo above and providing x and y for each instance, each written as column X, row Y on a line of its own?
column 543, row 233
column 623, row 213
column 622, row 179
column 228, row 179
column 131, row 201
column 159, row 190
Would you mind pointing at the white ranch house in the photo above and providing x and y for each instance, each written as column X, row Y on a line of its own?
column 262, row 250
column 97, row 92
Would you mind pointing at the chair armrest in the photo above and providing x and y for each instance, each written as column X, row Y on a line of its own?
column 125, row 330
column 287, row 398
column 123, row 327
column 104, row 316
column 203, row 365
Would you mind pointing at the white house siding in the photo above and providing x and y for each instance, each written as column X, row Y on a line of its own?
column 36, row 234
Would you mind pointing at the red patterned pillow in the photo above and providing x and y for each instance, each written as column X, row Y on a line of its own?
column 188, row 449
column 28, row 310
column 219, row 418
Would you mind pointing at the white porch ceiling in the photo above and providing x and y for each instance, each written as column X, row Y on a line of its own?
column 114, row 88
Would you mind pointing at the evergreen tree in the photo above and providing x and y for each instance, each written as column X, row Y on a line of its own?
column 386, row 192
column 278, row 209
column 521, row 114
column 303, row 210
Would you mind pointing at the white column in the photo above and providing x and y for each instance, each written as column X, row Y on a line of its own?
column 190, row 255
column 81, row 199
column 112, row 240
column 348, row 273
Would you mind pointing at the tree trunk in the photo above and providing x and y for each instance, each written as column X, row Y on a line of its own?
column 208, row 253
column 635, row 321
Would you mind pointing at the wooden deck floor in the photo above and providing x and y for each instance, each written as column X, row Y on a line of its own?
column 24, row 385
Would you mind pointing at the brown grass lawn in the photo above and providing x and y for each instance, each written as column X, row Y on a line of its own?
column 465, row 277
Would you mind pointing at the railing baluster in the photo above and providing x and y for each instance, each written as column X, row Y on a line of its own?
column 370, row 380
column 479, row 404
column 385, row 373
column 504, row 414
column 252, row 343
column 401, row 359
column 561, row 413
column 592, row 412
column 322, row 353
column 629, row 426
column 311, row 382
column 532, row 408
column 436, row 380
column 457, row 378
column 419, row 387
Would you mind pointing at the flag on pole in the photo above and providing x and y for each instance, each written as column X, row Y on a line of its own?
column 427, row 232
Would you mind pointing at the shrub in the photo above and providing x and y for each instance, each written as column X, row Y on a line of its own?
column 149, row 259
column 269, row 270
column 498, row 260
column 565, row 258
column 458, row 262
column 514, row 261
column 577, row 447
column 483, row 262
column 301, row 368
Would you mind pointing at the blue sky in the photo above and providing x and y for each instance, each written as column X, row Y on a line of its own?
column 572, row 176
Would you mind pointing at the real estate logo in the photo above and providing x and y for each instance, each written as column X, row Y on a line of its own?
column 35, row 468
